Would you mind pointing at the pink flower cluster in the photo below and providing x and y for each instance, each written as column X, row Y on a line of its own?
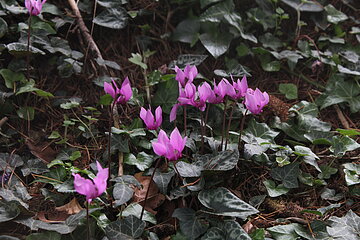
column 34, row 6
column 189, row 94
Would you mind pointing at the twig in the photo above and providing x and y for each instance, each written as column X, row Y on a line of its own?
column 85, row 31
column 341, row 117
column 3, row 120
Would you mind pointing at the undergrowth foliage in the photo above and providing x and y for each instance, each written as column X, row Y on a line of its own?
column 253, row 134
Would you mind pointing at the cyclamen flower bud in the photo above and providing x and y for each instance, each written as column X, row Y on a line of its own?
column 34, row 6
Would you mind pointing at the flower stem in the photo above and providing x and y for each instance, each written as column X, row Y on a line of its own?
column 241, row 128
column 228, row 126
column 109, row 138
column 87, row 221
column 202, row 133
column 148, row 190
column 28, row 50
column 223, row 125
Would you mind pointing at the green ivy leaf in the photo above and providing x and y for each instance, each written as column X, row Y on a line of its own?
column 308, row 6
column 352, row 173
column 344, row 228
column 44, row 235
column 287, row 175
column 289, row 89
column 222, row 202
column 166, row 95
column 273, row 190
column 288, row 232
column 11, row 77
column 130, row 226
column 307, row 155
column 162, row 179
column 187, row 31
column 119, row 143
column 343, row 91
column 216, row 43
column 142, row 161
column 137, row 59
column 191, row 225
column 3, row 27
column 135, row 209
column 115, row 17
column 258, row 133
column 229, row 230
column 8, row 210
column 333, row 15
column 217, row 12
column 326, row 171
column 343, row 144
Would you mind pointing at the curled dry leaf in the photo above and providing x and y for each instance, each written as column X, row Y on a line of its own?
column 155, row 199
column 70, row 208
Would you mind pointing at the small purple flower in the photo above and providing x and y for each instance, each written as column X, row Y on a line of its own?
column 151, row 122
column 186, row 76
column 34, row 6
column 240, row 87
column 255, row 100
column 92, row 188
column 121, row 95
column 170, row 148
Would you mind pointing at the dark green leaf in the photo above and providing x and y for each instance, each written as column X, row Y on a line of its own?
column 190, row 223
column 287, row 175
column 287, row 232
column 344, row 91
column 44, row 235
column 307, row 155
column 10, row 160
column 166, row 95
column 326, row 172
column 188, row 170
column 258, row 133
column 329, row 194
column 36, row 224
column 122, row 193
column 115, row 17
column 8, row 210
column 36, row 166
column 3, row 27
column 187, row 59
column 222, row 202
column 217, row 12
column 162, row 179
column 187, row 31
column 119, row 143
column 135, row 209
column 216, row 43
column 289, row 89
column 130, row 227
column 308, row 6
column 11, row 77
column 20, row 49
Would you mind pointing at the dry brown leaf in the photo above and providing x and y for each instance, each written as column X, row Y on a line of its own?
column 70, row 208
column 52, row 217
column 155, row 199
column 248, row 227
column 41, row 150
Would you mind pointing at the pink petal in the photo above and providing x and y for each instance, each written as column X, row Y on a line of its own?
column 173, row 112
column 177, row 141
column 85, row 187
column 101, row 179
column 159, row 148
column 126, row 90
column 109, row 89
column 158, row 116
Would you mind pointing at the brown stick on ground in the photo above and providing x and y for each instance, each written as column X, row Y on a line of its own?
column 341, row 117
column 85, row 31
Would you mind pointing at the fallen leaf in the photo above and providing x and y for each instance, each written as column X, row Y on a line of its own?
column 70, row 208
column 42, row 151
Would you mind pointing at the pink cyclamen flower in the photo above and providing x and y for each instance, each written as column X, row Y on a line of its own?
column 34, row 6
column 186, row 76
column 190, row 96
column 92, row 188
column 151, row 122
column 170, row 148
column 240, row 87
column 255, row 100
column 121, row 95
column 224, row 88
